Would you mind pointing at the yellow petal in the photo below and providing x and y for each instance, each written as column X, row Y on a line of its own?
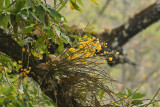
column 116, row 92
column 29, row 68
column 23, row 49
column 92, row 74
column 20, row 97
column 19, row 62
column 20, row 66
column 27, row 50
column 110, row 58
column 27, row 71
column 117, row 53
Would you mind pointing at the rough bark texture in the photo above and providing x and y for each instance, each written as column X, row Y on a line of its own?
column 44, row 78
column 121, row 35
column 9, row 46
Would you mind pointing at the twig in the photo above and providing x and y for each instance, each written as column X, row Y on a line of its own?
column 102, row 10
column 153, row 98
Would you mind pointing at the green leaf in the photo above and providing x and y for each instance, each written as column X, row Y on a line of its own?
column 101, row 92
column 8, row 18
column 121, row 94
column 48, row 103
column 12, row 98
column 6, row 58
column 53, row 38
column 44, row 7
column 67, row 27
column 40, row 11
column 5, row 22
column 27, row 29
column 80, row 2
column 129, row 91
column 58, row 32
column 7, row 3
column 61, row 1
column 66, row 39
column 1, row 100
column 76, row 6
column 62, row 6
column 89, row 35
column 136, row 102
column 1, row 3
column 2, row 16
column 34, row 16
column 55, row 3
column 9, row 90
column 19, row 5
column 61, row 47
column 54, row 13
column 74, row 36
column 39, row 1
column 138, row 96
column 40, row 41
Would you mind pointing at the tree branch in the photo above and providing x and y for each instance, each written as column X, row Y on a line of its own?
column 121, row 35
column 44, row 78
column 140, row 21
column 9, row 46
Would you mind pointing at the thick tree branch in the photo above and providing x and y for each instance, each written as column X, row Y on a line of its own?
column 44, row 78
column 122, row 34
column 140, row 21
column 9, row 46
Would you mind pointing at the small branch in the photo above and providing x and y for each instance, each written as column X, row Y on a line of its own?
column 153, row 98
column 102, row 10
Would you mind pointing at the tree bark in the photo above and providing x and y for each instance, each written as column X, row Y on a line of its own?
column 44, row 78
